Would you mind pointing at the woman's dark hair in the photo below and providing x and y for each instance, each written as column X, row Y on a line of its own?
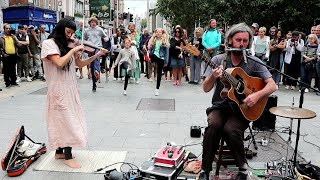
column 282, row 34
column 181, row 32
column 59, row 36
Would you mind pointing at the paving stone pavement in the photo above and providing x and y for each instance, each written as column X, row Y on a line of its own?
column 114, row 123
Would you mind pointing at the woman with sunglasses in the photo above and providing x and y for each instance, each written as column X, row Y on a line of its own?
column 176, row 56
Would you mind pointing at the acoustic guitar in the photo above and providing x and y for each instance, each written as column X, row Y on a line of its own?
column 237, row 86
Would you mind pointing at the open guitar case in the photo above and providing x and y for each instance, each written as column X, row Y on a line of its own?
column 13, row 162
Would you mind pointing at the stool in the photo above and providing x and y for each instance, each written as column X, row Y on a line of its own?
column 223, row 157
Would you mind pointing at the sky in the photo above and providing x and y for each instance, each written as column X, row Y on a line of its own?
column 137, row 7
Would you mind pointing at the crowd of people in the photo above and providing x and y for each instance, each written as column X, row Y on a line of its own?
column 160, row 53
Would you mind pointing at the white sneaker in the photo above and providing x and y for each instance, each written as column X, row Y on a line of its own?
column 150, row 79
column 29, row 79
column 137, row 81
column 293, row 87
column 122, row 79
column 114, row 79
column 124, row 92
column 157, row 92
column 287, row 87
column 18, row 79
column 129, row 69
column 306, row 90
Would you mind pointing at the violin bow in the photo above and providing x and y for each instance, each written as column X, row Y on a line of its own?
column 83, row 21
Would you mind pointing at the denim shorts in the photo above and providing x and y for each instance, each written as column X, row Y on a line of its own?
column 177, row 62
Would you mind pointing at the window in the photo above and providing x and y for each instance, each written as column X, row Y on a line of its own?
column 36, row 2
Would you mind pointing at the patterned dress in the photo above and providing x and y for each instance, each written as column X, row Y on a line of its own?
column 65, row 117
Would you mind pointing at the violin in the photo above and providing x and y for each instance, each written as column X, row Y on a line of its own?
column 89, row 47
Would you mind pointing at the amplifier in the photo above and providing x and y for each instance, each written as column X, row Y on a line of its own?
column 267, row 121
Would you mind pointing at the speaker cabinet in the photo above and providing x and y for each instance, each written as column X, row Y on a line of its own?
column 267, row 121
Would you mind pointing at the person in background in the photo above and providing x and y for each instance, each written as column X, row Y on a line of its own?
column 35, row 53
column 158, row 47
column 106, row 45
column 260, row 45
column 78, row 35
column 255, row 29
column 222, row 45
column 294, row 47
column 95, row 35
column 142, row 50
column 276, row 46
column 126, row 61
column 66, row 122
column 116, row 47
column 211, row 41
column 308, row 64
column 23, row 54
column 176, row 56
column 8, row 50
column 195, row 62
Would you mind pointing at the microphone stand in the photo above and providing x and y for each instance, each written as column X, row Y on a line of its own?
column 300, row 100
column 273, row 69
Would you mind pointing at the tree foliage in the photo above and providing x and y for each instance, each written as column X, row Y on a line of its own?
column 289, row 15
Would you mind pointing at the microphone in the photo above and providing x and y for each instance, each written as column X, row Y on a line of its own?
column 243, row 50
column 244, row 55
column 238, row 49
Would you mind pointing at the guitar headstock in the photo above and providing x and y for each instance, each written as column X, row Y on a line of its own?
column 191, row 49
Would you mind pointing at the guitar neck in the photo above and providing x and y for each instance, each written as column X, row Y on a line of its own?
column 232, row 80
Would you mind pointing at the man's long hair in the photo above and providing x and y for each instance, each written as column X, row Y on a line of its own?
column 59, row 36
column 241, row 27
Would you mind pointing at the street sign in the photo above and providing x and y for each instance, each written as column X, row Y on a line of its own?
column 100, row 9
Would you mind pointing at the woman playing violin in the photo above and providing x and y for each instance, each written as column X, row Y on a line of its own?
column 65, row 117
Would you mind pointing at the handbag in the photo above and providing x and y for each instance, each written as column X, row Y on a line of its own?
column 146, row 57
column 310, row 65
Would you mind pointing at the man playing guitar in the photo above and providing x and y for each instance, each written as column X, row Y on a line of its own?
column 224, row 117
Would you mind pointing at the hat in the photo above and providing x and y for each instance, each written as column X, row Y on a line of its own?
column 31, row 26
column 255, row 25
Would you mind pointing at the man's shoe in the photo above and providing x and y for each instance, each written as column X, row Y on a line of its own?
column 94, row 88
column 15, row 84
column 204, row 175
column 34, row 78
column 241, row 176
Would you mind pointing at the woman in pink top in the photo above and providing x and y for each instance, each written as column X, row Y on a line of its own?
column 65, row 118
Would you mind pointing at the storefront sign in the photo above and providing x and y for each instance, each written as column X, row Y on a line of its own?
column 100, row 8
